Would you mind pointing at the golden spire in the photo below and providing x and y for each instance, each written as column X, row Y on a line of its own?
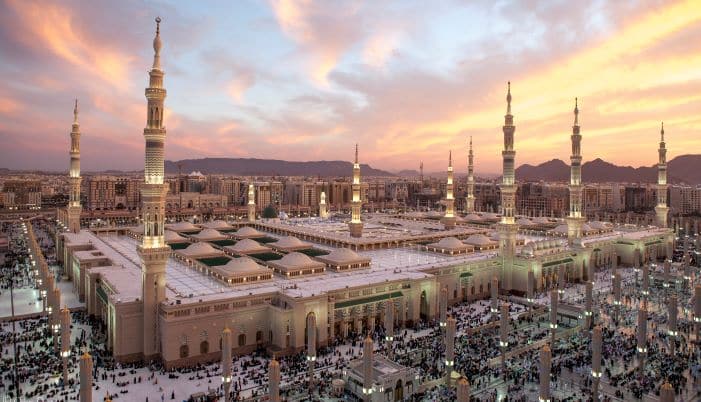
column 356, row 152
column 576, row 113
column 508, row 98
column 157, row 46
column 75, row 112
column 450, row 158
column 662, row 133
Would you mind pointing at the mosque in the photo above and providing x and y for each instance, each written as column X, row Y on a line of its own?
column 167, row 291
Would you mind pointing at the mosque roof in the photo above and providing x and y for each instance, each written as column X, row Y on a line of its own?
column 247, row 246
column 248, row 231
column 290, row 243
column 181, row 226
column 478, row 239
column 200, row 249
column 172, row 237
column 209, row 234
column 343, row 256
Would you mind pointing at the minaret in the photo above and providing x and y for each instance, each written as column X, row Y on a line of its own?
column 507, row 227
column 355, row 226
column 153, row 250
column 449, row 217
column 470, row 199
column 661, row 209
column 251, row 203
column 323, row 208
column 74, row 207
column 575, row 219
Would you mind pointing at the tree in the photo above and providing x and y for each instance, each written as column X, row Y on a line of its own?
column 269, row 212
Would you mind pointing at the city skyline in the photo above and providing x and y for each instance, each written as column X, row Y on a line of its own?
column 306, row 81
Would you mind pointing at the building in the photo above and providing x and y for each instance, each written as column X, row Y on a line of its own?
column 21, row 194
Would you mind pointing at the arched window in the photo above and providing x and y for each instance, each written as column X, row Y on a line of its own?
column 242, row 339
column 184, row 351
column 204, row 347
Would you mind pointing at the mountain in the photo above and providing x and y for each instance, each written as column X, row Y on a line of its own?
column 270, row 167
column 408, row 173
column 682, row 169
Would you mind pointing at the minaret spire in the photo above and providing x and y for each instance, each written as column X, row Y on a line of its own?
column 508, row 228
column 355, row 226
column 508, row 98
column 575, row 218
column 470, row 199
column 74, row 207
column 449, row 216
column 157, row 46
column 153, row 250
column 661, row 210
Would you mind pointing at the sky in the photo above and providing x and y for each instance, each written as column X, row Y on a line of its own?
column 409, row 80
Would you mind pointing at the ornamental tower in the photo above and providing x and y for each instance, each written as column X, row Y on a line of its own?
column 74, row 207
column 323, row 208
column 508, row 228
column 661, row 209
column 251, row 203
column 470, row 199
column 153, row 250
column 575, row 219
column 355, row 226
column 449, row 217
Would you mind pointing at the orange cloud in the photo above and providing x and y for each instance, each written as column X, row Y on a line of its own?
column 51, row 28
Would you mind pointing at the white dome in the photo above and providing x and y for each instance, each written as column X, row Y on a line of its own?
column 290, row 242
column 248, row 231
column 489, row 215
column 243, row 264
column 473, row 217
column 296, row 260
column 247, row 245
column 524, row 222
column 200, row 248
column 209, row 234
column 218, row 224
column 478, row 240
column 450, row 243
column 342, row 254
column 182, row 226
column 171, row 236
column 561, row 229
column 541, row 219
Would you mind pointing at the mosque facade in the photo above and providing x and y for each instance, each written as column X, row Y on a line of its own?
column 167, row 291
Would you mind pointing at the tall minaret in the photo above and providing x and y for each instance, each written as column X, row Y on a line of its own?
column 507, row 227
column 153, row 250
column 355, row 226
column 470, row 199
column 661, row 209
column 575, row 219
column 449, row 217
column 251, row 203
column 74, row 207
column 323, row 208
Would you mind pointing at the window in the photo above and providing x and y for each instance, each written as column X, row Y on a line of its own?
column 184, row 351
column 204, row 347
column 242, row 339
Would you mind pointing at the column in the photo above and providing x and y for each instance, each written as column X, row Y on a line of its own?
column 641, row 336
column 86, row 368
column 442, row 307
column 463, row 390
column 588, row 309
column 389, row 327
column 311, row 348
column 545, row 361
column 449, row 348
column 672, row 323
column 367, row 369
column 595, row 362
column 65, row 342
column 226, row 363
column 553, row 315
column 504, row 336
column 495, row 295
column 274, row 380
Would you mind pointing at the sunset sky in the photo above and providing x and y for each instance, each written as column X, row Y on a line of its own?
column 305, row 80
